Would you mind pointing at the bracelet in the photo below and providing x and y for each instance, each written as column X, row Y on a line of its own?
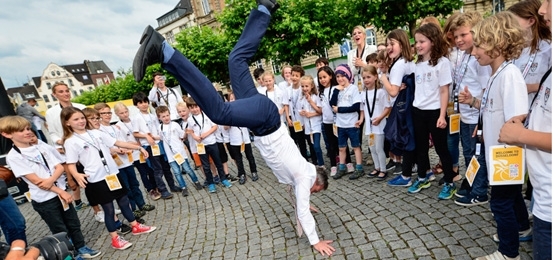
column 17, row 248
column 472, row 102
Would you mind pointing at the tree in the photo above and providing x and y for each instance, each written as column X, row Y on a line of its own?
column 298, row 29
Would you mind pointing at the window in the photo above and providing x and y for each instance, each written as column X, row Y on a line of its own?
column 54, row 98
column 81, row 91
column 345, row 47
column 90, row 88
column 46, row 98
column 52, row 73
column 170, row 37
column 99, row 71
column 49, row 106
column 370, row 37
column 49, row 86
column 70, row 83
column 85, row 77
column 259, row 64
column 58, row 73
column 74, row 93
column 276, row 68
column 99, row 82
column 28, row 96
column 206, row 7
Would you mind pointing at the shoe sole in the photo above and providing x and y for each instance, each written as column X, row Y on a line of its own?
column 88, row 256
column 124, row 247
column 448, row 197
column 168, row 197
column 425, row 186
column 398, row 185
column 145, row 232
column 470, row 204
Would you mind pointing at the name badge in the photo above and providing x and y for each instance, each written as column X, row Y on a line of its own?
column 130, row 158
column 243, row 147
column 472, row 170
column 117, row 160
column 297, row 126
column 507, row 165
column 155, row 150
column 454, row 123
column 142, row 159
column 200, row 149
column 113, row 182
column 65, row 205
column 178, row 158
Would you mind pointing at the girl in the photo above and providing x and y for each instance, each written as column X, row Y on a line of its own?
column 433, row 76
column 146, row 173
column 327, row 82
column 400, row 56
column 310, row 110
column 376, row 102
column 276, row 94
column 124, row 160
column 240, row 141
column 100, row 179
column 346, row 104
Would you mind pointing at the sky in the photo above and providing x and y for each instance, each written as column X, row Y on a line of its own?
column 34, row 33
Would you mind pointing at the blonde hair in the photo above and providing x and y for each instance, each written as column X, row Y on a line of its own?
column 100, row 106
column 284, row 68
column 88, row 111
column 469, row 19
column 432, row 20
column 373, row 71
column 181, row 104
column 500, row 33
column 268, row 73
column 119, row 106
column 312, row 82
column 11, row 124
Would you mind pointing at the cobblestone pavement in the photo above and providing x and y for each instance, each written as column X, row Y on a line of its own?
column 365, row 218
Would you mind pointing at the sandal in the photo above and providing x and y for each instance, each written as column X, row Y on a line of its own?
column 381, row 178
column 438, row 169
column 373, row 174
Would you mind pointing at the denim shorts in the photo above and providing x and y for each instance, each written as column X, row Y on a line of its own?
column 344, row 133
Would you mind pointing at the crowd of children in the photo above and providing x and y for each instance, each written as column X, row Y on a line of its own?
column 474, row 72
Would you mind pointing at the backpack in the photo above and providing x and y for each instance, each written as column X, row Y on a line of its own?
column 399, row 130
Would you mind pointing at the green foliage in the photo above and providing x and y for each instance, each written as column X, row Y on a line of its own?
column 208, row 49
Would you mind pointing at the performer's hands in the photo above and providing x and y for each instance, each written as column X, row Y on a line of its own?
column 81, row 179
column 66, row 197
column 324, row 247
column 465, row 96
column 20, row 254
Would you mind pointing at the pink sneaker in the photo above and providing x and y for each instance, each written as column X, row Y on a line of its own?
column 119, row 243
column 350, row 167
column 141, row 229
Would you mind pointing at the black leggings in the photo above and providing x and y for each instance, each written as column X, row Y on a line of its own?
column 109, row 210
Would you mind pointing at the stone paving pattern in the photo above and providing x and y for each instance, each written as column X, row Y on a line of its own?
column 366, row 219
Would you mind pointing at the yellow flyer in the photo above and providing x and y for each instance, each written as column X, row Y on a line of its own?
column 507, row 165
column 200, row 149
column 113, row 182
column 130, row 158
column 28, row 196
column 243, row 147
column 454, row 123
column 142, row 159
column 65, row 205
column 155, row 150
column 472, row 170
column 335, row 130
column 178, row 158
column 297, row 126
column 118, row 160
column 371, row 139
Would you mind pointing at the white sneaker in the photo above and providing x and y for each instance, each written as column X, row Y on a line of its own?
column 497, row 256
column 100, row 217
column 333, row 171
column 350, row 167
column 117, row 211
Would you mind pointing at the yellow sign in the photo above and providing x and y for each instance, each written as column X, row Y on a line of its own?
column 454, row 123
column 297, row 126
column 113, row 182
column 507, row 165
column 200, row 148
column 179, row 158
column 472, row 170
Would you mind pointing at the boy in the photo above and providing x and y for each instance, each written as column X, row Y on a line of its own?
column 41, row 168
column 202, row 129
column 469, row 73
column 537, row 138
column 498, row 40
column 171, row 134
column 144, row 125
column 250, row 110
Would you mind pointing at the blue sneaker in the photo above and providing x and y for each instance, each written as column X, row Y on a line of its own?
column 86, row 252
column 430, row 176
column 524, row 236
column 400, row 181
column 226, row 183
column 447, row 191
column 419, row 185
column 212, row 188
column 471, row 200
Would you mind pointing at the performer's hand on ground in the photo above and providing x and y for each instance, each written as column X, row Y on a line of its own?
column 324, row 247
column 31, row 254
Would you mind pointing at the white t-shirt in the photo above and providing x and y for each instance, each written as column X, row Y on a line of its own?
column 328, row 114
column 399, row 70
column 284, row 85
column 382, row 101
column 171, row 135
column 192, row 143
column 290, row 98
column 30, row 161
column 539, row 162
column 145, row 123
column 119, row 134
column 312, row 124
column 504, row 98
column 84, row 148
column 38, row 122
column 52, row 116
column 201, row 124
column 168, row 97
column 475, row 77
column 261, row 89
column 429, row 79
column 222, row 135
column 127, row 129
column 239, row 135
column 541, row 62
column 346, row 98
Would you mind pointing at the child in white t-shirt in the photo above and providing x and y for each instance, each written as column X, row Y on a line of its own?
column 309, row 108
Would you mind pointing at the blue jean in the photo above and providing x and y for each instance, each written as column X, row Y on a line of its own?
column 212, row 151
column 511, row 216
column 154, row 163
column 58, row 220
column 11, row 220
column 177, row 172
column 542, row 239
column 345, row 133
column 325, row 138
column 146, row 175
column 317, row 147
column 250, row 109
column 453, row 147
column 130, row 182
column 480, row 183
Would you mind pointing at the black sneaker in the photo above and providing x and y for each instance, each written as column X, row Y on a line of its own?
column 139, row 213
column 231, row 178
column 357, row 174
column 176, row 189
column 148, row 207
column 339, row 173
column 398, row 168
column 390, row 165
column 185, row 192
column 198, row 186
column 123, row 228
column 242, row 179
column 140, row 220
column 254, row 176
